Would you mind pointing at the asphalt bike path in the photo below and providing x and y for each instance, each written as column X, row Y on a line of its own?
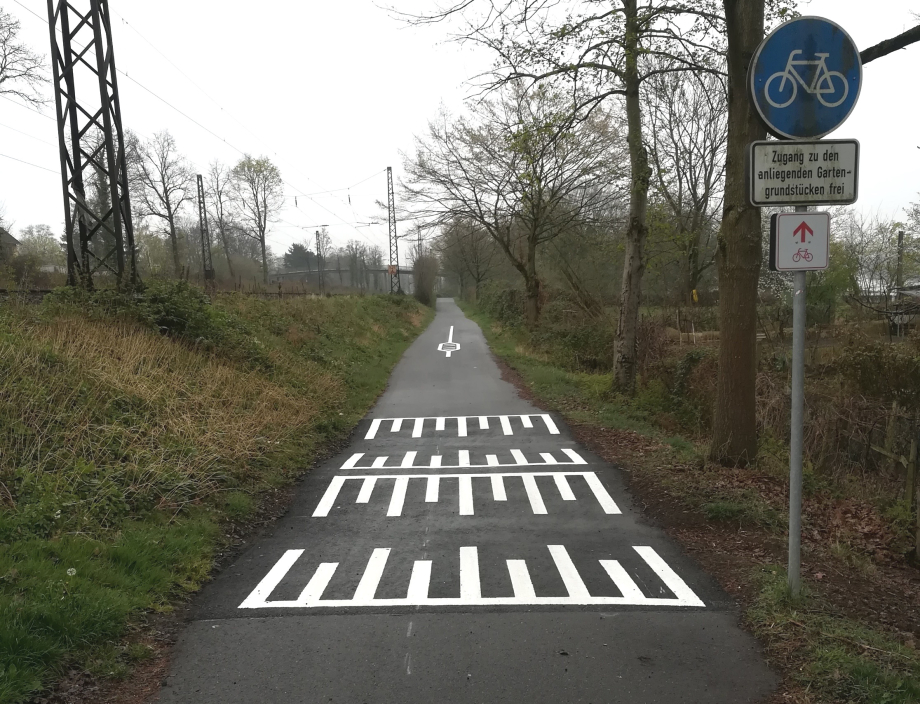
column 463, row 548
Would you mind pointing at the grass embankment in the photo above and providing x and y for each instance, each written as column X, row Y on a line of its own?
column 133, row 430
column 830, row 644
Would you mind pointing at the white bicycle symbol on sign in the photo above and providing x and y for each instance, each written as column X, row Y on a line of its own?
column 823, row 84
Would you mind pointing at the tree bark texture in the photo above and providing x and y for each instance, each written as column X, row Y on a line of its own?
column 734, row 439
column 625, row 345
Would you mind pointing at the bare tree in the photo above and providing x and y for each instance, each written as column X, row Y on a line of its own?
column 219, row 191
column 688, row 126
column 21, row 70
column 260, row 192
column 469, row 251
column 521, row 168
column 166, row 184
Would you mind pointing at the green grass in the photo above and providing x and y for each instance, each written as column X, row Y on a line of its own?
column 131, row 430
column 842, row 660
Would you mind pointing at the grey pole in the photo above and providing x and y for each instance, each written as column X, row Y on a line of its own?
column 798, row 429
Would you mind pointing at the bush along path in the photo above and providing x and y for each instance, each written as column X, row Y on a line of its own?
column 853, row 636
column 135, row 430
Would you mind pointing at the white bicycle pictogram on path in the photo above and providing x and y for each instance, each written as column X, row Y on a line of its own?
column 821, row 85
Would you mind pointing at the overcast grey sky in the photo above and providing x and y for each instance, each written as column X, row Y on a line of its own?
column 333, row 91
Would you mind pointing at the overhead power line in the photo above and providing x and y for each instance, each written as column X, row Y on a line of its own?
column 29, row 163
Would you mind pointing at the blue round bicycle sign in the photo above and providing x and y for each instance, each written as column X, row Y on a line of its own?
column 805, row 78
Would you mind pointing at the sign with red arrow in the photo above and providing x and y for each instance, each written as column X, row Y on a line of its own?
column 799, row 241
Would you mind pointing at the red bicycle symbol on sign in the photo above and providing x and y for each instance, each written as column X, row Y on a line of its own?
column 802, row 254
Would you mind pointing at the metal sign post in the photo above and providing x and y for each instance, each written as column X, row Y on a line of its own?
column 804, row 79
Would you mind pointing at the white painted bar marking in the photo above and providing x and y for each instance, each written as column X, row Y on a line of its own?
column 353, row 460
column 326, row 503
column 469, row 574
column 533, row 493
column 492, row 461
column 372, row 433
column 548, row 458
column 603, row 498
column 461, row 427
column 564, row 489
column 431, row 491
column 317, row 584
column 506, row 425
column 366, row 489
column 367, row 587
column 439, row 423
column 627, row 586
column 379, row 462
column 668, row 576
column 567, row 571
column 526, row 421
column 419, row 425
column 550, row 425
column 483, row 422
column 466, row 495
column 397, row 424
column 409, row 459
column 519, row 457
column 520, row 579
column 419, row 581
column 264, row 589
column 435, row 461
column 574, row 456
column 464, row 460
column 498, row 488
column 399, row 497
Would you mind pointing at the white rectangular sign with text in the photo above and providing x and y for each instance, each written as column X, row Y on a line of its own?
column 822, row 172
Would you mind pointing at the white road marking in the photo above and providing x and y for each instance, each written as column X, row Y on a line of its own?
column 498, row 488
column 668, row 576
column 431, row 491
column 463, row 460
column 264, row 589
column 550, row 425
column 465, row 481
column 326, row 503
column 520, row 579
column 533, row 494
column 567, row 571
column 399, row 497
column 565, row 491
column 627, row 586
column 469, row 574
column 603, row 498
column 466, row 495
column 418, row 424
column 409, row 459
column 419, row 581
column 367, row 587
column 470, row 584
column 450, row 336
column 367, row 489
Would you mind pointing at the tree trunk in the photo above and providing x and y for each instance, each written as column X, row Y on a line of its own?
column 174, row 243
column 734, row 437
column 532, row 287
column 264, row 259
column 624, row 355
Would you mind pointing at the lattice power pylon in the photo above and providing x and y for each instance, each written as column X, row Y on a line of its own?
column 97, row 205
column 395, row 286
column 207, row 265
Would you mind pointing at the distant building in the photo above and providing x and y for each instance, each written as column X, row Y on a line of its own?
column 8, row 244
